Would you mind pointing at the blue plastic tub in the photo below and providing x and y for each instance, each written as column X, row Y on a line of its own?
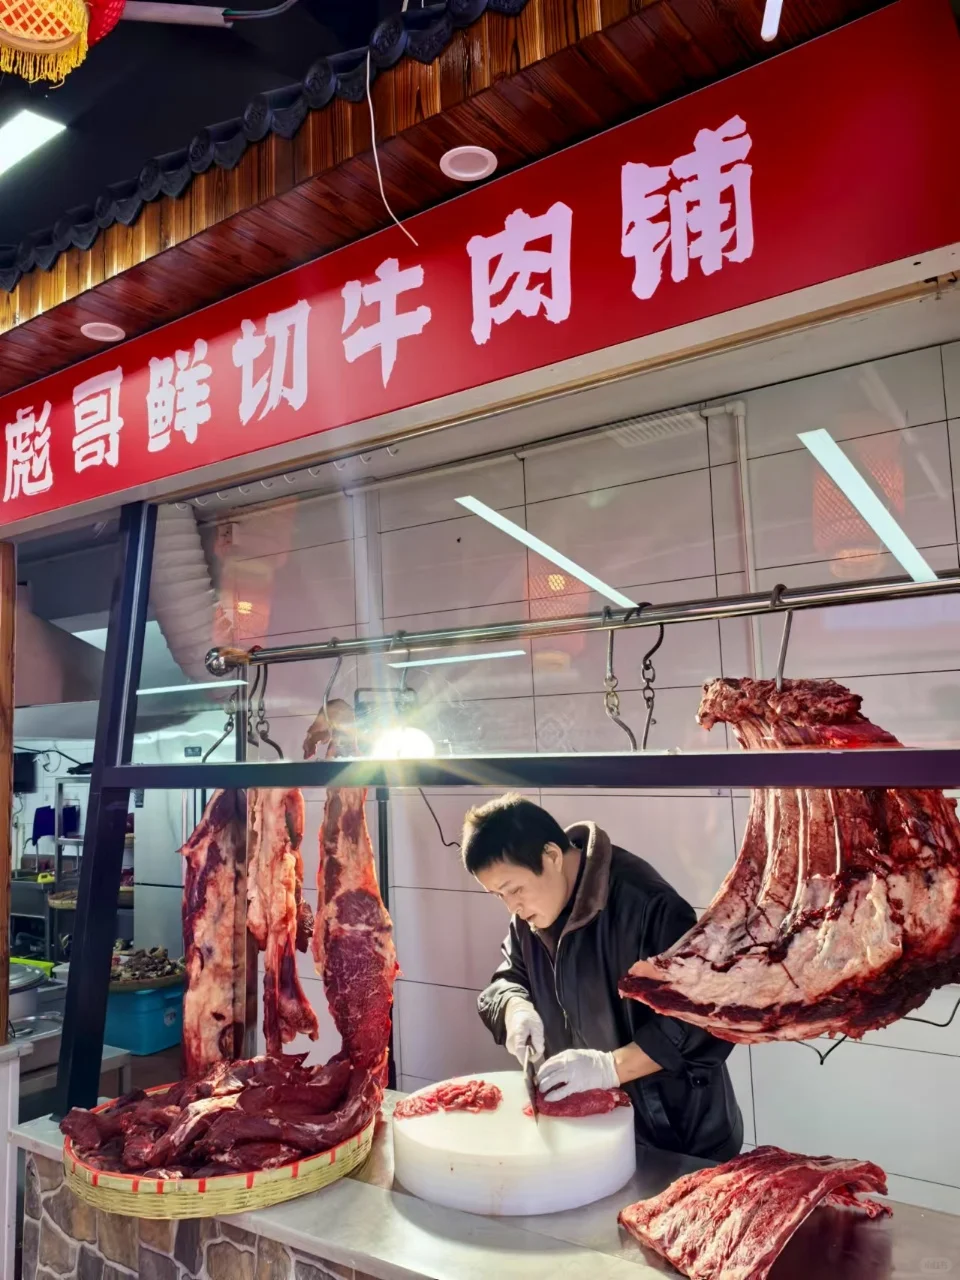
column 145, row 1021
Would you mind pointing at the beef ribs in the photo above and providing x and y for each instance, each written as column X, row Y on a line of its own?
column 214, row 934
column 353, row 936
column 731, row 1222
column 842, row 911
column 275, row 915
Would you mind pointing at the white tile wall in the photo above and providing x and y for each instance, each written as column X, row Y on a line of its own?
column 659, row 518
column 799, row 515
column 653, row 531
column 865, row 399
column 674, row 442
column 951, row 377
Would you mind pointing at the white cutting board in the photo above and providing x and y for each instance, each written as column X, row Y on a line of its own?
column 503, row 1162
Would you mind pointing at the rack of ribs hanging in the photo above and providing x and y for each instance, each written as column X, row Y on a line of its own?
column 841, row 913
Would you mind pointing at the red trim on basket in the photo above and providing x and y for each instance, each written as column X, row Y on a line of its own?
column 95, row 1180
column 136, row 1185
column 159, row 1186
column 250, row 1177
column 202, row 1185
column 295, row 1171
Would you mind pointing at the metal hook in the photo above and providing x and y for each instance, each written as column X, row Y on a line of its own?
column 329, row 685
column 254, row 688
column 611, row 699
column 648, row 674
column 263, row 724
column 785, row 638
column 231, row 709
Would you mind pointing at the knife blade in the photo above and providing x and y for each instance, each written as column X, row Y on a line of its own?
column 530, row 1072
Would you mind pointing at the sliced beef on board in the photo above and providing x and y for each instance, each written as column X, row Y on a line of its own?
column 455, row 1095
column 353, row 946
column 842, row 911
column 731, row 1222
column 214, row 934
column 277, row 917
column 592, row 1102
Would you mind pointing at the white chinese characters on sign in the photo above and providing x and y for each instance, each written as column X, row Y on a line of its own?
column 177, row 396
column 287, row 331
column 517, row 262
column 709, row 215
column 96, row 421
column 391, row 325
column 28, row 454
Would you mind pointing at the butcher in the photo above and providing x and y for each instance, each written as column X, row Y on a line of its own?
column 582, row 913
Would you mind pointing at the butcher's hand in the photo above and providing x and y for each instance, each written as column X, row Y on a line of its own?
column 576, row 1071
column 524, row 1025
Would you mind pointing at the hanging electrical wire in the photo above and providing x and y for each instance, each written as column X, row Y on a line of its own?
column 447, row 844
column 376, row 162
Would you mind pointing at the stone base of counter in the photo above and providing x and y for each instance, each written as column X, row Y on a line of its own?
column 66, row 1239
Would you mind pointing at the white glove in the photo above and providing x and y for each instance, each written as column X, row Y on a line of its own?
column 523, row 1024
column 576, row 1071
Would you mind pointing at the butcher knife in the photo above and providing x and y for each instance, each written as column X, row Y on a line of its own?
column 530, row 1072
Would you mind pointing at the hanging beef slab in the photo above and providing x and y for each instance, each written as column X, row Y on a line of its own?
column 353, row 946
column 731, row 1222
column 842, row 911
column 214, row 934
column 277, row 917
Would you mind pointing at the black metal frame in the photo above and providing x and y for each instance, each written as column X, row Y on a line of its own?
column 114, row 776
column 78, row 1075
column 920, row 767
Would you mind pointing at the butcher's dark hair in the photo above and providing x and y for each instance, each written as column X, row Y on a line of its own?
column 509, row 829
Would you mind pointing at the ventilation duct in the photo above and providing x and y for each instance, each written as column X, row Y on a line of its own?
column 181, row 592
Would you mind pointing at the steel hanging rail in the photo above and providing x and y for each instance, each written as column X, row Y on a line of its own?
column 221, row 661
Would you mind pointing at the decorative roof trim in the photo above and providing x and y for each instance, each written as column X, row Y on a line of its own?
column 421, row 34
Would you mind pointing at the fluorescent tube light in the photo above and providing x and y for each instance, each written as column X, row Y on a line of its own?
column 24, row 133
column 189, row 688
column 549, row 553
column 463, row 657
column 853, row 486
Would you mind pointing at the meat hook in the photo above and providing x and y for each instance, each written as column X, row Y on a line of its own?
column 785, row 638
column 263, row 724
column 611, row 699
column 231, row 709
column 648, row 674
column 254, row 689
column 329, row 685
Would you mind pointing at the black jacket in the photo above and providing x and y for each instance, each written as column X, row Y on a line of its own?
column 623, row 911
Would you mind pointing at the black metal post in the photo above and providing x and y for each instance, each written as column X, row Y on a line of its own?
column 81, row 1048
column 383, row 876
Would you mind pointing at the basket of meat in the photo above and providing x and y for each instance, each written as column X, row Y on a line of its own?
column 248, row 1135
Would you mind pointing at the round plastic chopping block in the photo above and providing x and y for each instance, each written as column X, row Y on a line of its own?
column 504, row 1162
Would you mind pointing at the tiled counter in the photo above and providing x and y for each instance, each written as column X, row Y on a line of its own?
column 365, row 1227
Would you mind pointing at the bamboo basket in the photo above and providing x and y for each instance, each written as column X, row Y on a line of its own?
column 134, row 1196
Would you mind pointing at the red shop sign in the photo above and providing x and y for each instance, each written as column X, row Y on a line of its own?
column 831, row 159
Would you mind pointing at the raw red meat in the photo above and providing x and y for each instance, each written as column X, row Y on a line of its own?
column 275, row 911
column 842, row 911
column 214, row 934
column 353, row 937
column 458, row 1095
column 592, row 1102
column 261, row 1108
column 731, row 1222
